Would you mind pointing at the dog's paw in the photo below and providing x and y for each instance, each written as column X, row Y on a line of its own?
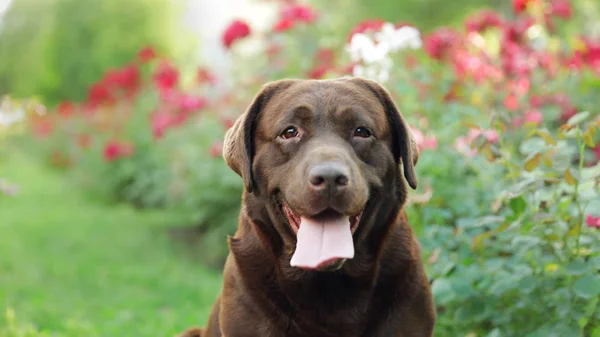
column 192, row 332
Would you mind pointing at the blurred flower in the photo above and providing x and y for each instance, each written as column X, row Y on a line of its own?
column 374, row 52
column 160, row 122
column 206, row 76
column 216, row 149
column 483, row 20
column 114, row 150
column 227, row 123
column 42, row 126
column 591, row 55
column 366, row 27
column 520, row 86
column 237, row 30
column 297, row 12
column 534, row 117
column 189, row 103
column 290, row 14
column 283, row 24
column 561, row 9
column 317, row 72
column 65, row 109
column 147, row 54
column 325, row 56
column 165, row 76
column 363, row 48
column 128, row 79
column 441, row 42
column 596, row 151
column 511, row 102
column 536, row 101
column 476, row 67
column 520, row 5
column 593, row 222
column 568, row 110
column 463, row 143
column 515, row 31
column 8, row 118
column 98, row 94
column 423, row 142
column 405, row 37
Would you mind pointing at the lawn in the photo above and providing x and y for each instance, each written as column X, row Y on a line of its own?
column 70, row 266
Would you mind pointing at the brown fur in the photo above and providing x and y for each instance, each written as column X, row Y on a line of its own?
column 383, row 291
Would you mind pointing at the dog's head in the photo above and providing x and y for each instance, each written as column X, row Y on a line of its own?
column 322, row 157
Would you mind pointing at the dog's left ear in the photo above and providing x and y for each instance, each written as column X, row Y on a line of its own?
column 404, row 146
column 238, row 146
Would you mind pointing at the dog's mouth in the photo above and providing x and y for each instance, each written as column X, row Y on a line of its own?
column 324, row 240
column 295, row 220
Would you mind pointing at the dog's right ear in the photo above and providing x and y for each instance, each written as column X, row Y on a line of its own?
column 238, row 147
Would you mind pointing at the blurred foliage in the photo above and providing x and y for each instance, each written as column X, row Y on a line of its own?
column 429, row 14
column 426, row 14
column 509, row 173
column 55, row 49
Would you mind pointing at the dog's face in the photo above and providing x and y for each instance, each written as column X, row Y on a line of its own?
column 316, row 152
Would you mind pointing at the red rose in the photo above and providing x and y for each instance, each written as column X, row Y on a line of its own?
column 439, row 43
column 483, row 20
column 161, row 121
column 99, row 94
column 147, row 54
column 318, row 72
column 593, row 222
column 166, row 76
column 205, row 76
column 299, row 13
column 283, row 24
column 561, row 8
column 65, row 109
column 114, row 150
column 520, row 5
column 190, row 103
column 238, row 29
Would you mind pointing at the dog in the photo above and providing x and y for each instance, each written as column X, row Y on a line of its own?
column 323, row 246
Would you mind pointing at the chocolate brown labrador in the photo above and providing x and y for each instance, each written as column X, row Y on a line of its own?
column 323, row 247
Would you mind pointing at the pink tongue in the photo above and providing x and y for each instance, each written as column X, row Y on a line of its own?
column 320, row 241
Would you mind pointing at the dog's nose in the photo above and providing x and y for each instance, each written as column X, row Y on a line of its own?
column 330, row 176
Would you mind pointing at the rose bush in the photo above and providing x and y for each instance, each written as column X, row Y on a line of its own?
column 504, row 110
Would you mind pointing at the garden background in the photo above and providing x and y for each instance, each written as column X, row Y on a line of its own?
column 115, row 202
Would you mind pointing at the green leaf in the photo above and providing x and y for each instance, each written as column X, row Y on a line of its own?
column 569, row 177
column 518, row 205
column 588, row 139
column 578, row 118
column 587, row 286
column 595, row 262
column 532, row 161
column 577, row 268
column 442, row 290
column 547, row 137
column 528, row 283
column 462, row 287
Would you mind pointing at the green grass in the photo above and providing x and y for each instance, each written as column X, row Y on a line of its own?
column 73, row 267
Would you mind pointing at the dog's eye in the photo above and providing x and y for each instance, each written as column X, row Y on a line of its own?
column 289, row 132
column 362, row 132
